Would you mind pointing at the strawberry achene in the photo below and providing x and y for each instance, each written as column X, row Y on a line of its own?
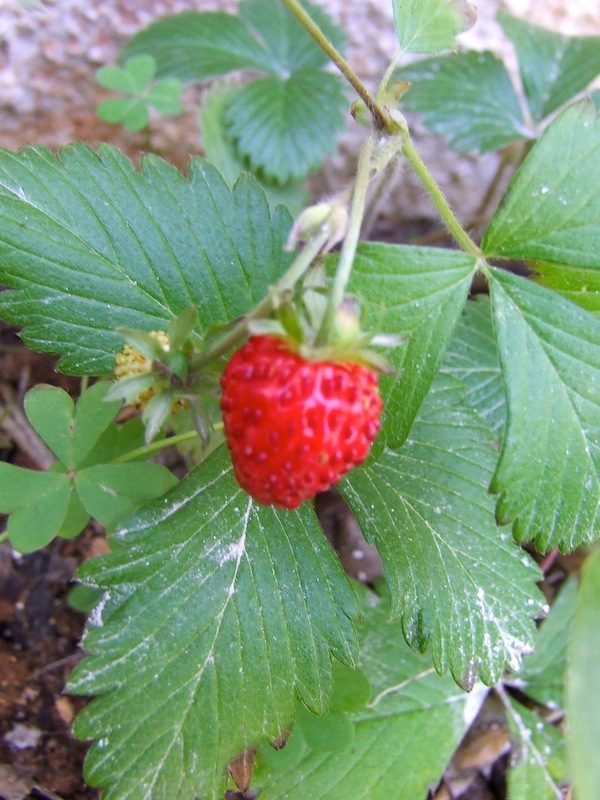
column 295, row 426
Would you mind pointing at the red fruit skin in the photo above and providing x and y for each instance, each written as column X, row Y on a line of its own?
column 293, row 426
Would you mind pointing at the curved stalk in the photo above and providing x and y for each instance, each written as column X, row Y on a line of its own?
column 355, row 218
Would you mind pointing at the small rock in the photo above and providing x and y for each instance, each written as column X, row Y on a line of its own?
column 22, row 736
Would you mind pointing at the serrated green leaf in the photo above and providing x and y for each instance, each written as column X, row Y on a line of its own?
column 37, row 503
column 472, row 358
column 221, row 152
column 402, row 741
column 419, row 291
column 217, row 612
column 165, row 96
column 83, row 598
column 554, row 68
column 142, row 69
column 581, row 286
column 274, row 125
column 549, row 469
column 457, row 581
column 468, row 97
column 538, row 765
column 583, row 685
column 109, row 492
column 195, row 46
column 91, row 244
column 50, row 410
column 542, row 676
column 265, row 37
column 290, row 46
column 429, row 26
column 551, row 211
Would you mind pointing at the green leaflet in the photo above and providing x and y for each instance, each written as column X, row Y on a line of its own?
column 554, row 68
column 91, row 244
column 551, row 211
column 548, row 476
column 419, row 291
column 458, row 582
column 583, row 696
column 468, row 97
column 472, row 358
column 217, row 611
column 402, row 740
column 429, row 26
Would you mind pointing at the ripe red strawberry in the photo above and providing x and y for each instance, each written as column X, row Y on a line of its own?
column 294, row 426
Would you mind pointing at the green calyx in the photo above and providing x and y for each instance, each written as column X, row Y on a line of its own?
column 298, row 321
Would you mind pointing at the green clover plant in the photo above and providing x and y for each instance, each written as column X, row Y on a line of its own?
column 136, row 80
column 229, row 652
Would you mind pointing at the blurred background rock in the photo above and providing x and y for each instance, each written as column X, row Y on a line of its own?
column 50, row 50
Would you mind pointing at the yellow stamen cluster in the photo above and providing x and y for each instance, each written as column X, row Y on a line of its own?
column 130, row 362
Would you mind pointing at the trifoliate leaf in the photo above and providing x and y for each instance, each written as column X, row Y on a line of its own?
column 131, row 112
column 468, row 97
column 419, row 291
column 117, row 79
column 429, row 26
column 111, row 491
column 583, row 685
column 472, row 358
column 581, row 286
column 538, row 764
column 551, row 211
column 554, row 68
column 291, row 47
column 549, row 469
column 70, row 431
column 265, row 37
column 457, row 581
column 542, row 676
column 165, row 96
column 217, row 612
column 402, row 741
column 222, row 154
column 91, row 245
column 37, row 503
column 196, row 46
column 274, row 125
column 142, row 70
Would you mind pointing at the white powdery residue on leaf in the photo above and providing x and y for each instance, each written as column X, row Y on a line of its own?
column 235, row 550
column 95, row 618
column 514, row 648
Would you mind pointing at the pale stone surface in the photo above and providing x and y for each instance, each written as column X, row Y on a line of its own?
column 48, row 95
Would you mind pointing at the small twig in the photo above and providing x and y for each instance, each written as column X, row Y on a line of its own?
column 377, row 195
column 15, row 425
column 380, row 115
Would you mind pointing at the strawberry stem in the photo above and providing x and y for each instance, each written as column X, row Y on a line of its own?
column 357, row 210
column 288, row 280
column 380, row 114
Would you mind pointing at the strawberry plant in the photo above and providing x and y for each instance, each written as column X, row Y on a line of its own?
column 229, row 653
